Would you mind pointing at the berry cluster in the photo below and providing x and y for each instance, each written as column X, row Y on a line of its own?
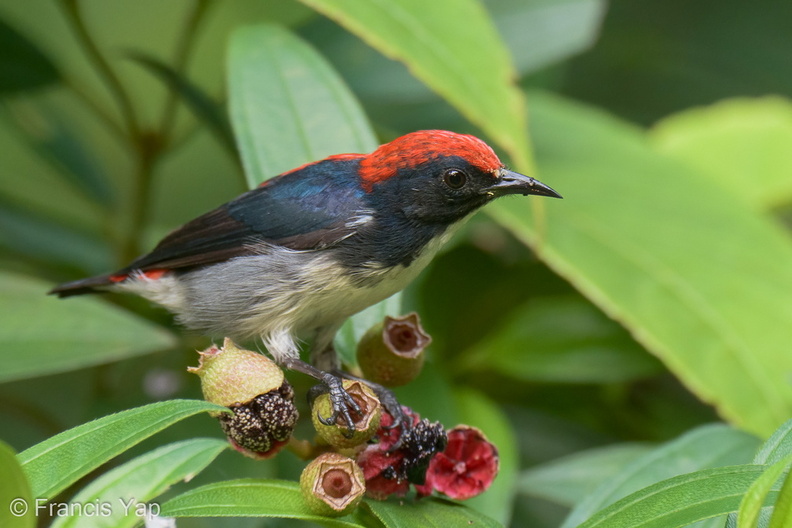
column 380, row 456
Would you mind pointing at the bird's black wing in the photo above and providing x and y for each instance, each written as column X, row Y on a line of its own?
column 299, row 212
column 311, row 208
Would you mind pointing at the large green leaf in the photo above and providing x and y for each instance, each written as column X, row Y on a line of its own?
column 27, row 233
column 777, row 447
column 249, row 498
column 59, row 461
column 453, row 47
column 18, row 508
column 755, row 497
column 705, row 447
column 22, row 65
column 568, row 479
column 700, row 279
column 775, row 450
column 741, row 144
column 49, row 133
column 43, row 334
column 782, row 510
column 538, row 33
column 681, row 500
column 561, row 339
column 543, row 32
column 288, row 106
column 138, row 481
column 430, row 513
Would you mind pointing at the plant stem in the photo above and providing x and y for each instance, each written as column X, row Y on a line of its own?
column 101, row 113
column 148, row 148
column 183, row 49
column 107, row 73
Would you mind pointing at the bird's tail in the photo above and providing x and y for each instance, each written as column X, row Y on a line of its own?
column 82, row 286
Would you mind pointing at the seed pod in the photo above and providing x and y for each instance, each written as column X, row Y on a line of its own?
column 391, row 353
column 255, row 389
column 366, row 423
column 332, row 484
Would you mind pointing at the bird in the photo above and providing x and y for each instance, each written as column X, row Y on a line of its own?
column 290, row 260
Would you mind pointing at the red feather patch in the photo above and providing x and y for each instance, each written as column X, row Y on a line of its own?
column 152, row 274
column 420, row 147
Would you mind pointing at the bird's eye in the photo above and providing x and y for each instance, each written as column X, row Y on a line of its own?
column 454, row 178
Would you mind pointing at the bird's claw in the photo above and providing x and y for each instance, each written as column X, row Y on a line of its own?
column 342, row 403
column 393, row 407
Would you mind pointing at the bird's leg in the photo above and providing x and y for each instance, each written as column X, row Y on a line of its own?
column 340, row 399
column 385, row 396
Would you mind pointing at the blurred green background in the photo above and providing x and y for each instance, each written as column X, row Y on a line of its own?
column 655, row 298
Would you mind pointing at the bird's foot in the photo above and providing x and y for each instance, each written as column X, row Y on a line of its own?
column 389, row 403
column 342, row 403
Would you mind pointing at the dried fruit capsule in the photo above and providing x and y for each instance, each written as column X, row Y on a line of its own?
column 391, row 353
column 255, row 389
column 332, row 484
column 366, row 423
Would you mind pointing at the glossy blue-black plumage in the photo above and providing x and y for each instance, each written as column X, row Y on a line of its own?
column 319, row 197
column 310, row 208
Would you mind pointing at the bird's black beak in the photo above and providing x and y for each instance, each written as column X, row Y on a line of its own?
column 509, row 182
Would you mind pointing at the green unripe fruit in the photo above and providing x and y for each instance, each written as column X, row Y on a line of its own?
column 366, row 423
column 332, row 485
column 391, row 353
column 254, row 388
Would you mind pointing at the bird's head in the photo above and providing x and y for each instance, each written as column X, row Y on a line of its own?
column 441, row 176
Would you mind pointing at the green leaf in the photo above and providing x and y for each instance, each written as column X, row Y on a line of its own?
column 740, row 144
column 22, row 65
column 56, row 463
column 18, row 508
column 453, row 47
column 288, row 106
column 698, row 278
column 140, row 480
column 680, row 500
column 704, row 447
column 756, row 497
column 540, row 33
column 199, row 103
column 777, row 447
column 249, row 498
column 43, row 334
column 25, row 232
column 569, row 479
column 561, row 339
column 434, row 513
column 55, row 138
column 782, row 510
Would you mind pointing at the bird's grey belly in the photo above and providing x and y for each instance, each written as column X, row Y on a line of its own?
column 299, row 291
column 279, row 292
